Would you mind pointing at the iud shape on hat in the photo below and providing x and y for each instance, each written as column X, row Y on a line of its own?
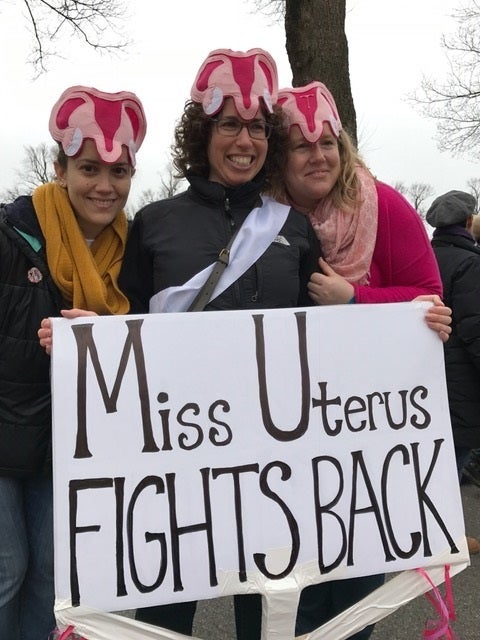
column 111, row 120
column 310, row 107
column 246, row 76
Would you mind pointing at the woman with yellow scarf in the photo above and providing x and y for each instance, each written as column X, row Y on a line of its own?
column 60, row 248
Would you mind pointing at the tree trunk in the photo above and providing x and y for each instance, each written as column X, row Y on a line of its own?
column 317, row 49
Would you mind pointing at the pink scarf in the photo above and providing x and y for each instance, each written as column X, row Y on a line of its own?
column 347, row 236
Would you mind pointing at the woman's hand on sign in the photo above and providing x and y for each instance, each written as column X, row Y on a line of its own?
column 438, row 317
column 45, row 333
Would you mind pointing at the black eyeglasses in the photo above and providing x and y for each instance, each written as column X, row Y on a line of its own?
column 257, row 129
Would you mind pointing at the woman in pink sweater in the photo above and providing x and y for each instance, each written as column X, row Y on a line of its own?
column 375, row 250
column 375, row 245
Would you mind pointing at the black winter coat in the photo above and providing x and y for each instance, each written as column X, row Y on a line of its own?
column 173, row 239
column 27, row 295
column 459, row 262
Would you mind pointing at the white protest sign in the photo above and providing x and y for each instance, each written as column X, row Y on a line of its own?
column 199, row 455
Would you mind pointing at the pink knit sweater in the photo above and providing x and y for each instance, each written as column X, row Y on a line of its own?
column 403, row 265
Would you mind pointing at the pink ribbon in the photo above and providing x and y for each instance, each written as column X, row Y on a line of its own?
column 68, row 634
column 444, row 606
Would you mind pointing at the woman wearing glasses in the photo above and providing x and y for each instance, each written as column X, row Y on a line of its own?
column 227, row 145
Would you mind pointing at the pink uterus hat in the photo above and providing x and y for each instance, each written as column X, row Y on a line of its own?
column 247, row 77
column 310, row 107
column 111, row 120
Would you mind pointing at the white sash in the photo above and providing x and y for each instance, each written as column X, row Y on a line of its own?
column 256, row 234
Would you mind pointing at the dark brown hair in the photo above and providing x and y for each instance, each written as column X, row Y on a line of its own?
column 61, row 157
column 192, row 137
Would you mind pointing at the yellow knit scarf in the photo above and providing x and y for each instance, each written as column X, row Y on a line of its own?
column 86, row 277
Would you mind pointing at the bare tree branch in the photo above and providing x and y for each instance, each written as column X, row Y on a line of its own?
column 474, row 185
column 417, row 193
column 36, row 169
column 455, row 102
column 273, row 8
column 170, row 184
column 401, row 187
column 98, row 23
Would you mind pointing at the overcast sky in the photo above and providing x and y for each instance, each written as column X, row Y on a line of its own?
column 390, row 43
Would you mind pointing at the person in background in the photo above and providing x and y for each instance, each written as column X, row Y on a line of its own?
column 471, row 469
column 228, row 143
column 59, row 248
column 471, row 473
column 476, row 229
column 452, row 215
column 375, row 250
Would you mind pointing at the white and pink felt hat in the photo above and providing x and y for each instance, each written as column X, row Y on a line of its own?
column 247, row 77
column 111, row 120
column 309, row 107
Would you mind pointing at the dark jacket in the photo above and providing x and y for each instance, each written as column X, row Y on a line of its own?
column 27, row 295
column 459, row 262
column 173, row 239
